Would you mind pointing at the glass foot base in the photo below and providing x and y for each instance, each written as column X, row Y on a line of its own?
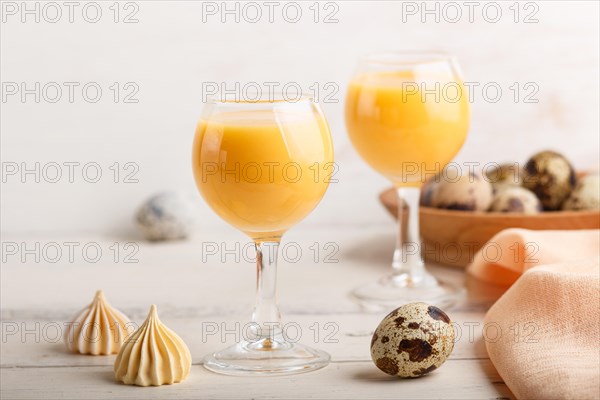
column 392, row 292
column 266, row 358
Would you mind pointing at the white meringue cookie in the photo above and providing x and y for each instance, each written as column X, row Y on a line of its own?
column 98, row 329
column 153, row 355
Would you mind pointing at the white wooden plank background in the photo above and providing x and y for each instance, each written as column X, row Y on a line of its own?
column 37, row 297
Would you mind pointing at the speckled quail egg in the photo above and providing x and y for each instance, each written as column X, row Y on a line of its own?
column 498, row 188
column 509, row 174
column 551, row 177
column 516, row 199
column 469, row 192
column 586, row 195
column 166, row 216
column 412, row 340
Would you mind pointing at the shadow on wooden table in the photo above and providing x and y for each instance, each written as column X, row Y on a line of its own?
column 481, row 295
column 372, row 374
column 493, row 376
column 108, row 376
column 373, row 251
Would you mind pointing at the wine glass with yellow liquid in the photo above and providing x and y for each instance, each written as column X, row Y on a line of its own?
column 263, row 166
column 407, row 115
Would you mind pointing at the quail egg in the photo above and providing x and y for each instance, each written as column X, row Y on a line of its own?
column 469, row 192
column 551, row 177
column 586, row 195
column 412, row 340
column 510, row 174
column 516, row 199
column 166, row 216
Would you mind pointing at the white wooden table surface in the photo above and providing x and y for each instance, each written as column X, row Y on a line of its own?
column 191, row 295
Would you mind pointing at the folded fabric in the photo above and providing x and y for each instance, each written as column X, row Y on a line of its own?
column 543, row 334
column 511, row 252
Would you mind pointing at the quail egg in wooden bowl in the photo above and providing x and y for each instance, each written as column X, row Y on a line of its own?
column 458, row 217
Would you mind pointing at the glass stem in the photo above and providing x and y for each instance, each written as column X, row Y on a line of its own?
column 266, row 314
column 408, row 265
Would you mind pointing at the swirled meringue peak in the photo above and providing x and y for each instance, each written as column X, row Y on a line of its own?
column 153, row 355
column 98, row 329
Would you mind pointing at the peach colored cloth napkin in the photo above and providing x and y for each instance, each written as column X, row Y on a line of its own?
column 548, row 321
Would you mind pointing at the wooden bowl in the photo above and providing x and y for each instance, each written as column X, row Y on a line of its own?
column 452, row 237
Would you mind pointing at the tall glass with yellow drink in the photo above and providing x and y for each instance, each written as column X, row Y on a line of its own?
column 407, row 115
column 263, row 166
